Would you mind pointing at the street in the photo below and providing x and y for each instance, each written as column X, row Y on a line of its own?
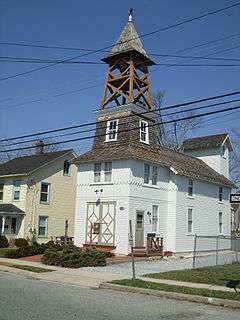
column 23, row 298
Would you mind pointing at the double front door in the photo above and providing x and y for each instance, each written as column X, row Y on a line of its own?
column 101, row 223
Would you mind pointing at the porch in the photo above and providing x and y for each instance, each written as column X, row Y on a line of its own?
column 11, row 218
column 154, row 247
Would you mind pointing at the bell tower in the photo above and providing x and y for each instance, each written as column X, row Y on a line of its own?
column 127, row 78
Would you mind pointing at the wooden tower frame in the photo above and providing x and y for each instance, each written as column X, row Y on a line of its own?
column 127, row 81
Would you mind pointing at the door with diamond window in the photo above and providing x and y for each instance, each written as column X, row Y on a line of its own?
column 101, row 223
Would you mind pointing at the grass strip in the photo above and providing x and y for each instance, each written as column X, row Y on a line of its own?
column 217, row 275
column 30, row 268
column 171, row 288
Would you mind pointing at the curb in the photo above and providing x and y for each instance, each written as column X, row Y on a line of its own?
column 173, row 295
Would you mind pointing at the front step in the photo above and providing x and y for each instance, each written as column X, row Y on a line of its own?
column 142, row 252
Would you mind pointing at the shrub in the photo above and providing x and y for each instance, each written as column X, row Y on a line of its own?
column 21, row 243
column 3, row 242
column 25, row 251
column 73, row 257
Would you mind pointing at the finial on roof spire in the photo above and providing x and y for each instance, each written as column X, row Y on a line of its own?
column 130, row 16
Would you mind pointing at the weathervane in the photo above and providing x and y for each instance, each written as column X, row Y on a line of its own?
column 130, row 16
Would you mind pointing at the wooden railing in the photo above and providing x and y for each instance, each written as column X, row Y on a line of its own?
column 154, row 245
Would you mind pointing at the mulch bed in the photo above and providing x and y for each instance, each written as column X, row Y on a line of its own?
column 36, row 258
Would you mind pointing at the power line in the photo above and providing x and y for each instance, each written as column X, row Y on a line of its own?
column 145, row 112
column 121, row 124
column 127, row 130
column 175, row 25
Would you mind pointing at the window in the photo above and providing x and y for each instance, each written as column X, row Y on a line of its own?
column 220, row 223
column 111, row 132
column 1, row 189
column 154, row 175
column 154, row 218
column 10, row 226
column 190, row 188
column 190, row 220
column 43, row 226
column 97, row 172
column 146, row 173
column 66, row 168
column 220, row 194
column 144, row 137
column 16, row 190
column 45, row 192
column 108, row 171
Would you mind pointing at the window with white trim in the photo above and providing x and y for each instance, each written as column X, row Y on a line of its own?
column 43, row 226
column 16, row 190
column 45, row 192
column 107, row 171
column 146, row 173
column 220, row 222
column 1, row 189
column 111, row 132
column 190, row 188
column 220, row 194
column 190, row 220
column 154, row 218
column 154, row 175
column 97, row 172
column 144, row 134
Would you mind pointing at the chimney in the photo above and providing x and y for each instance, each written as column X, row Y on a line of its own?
column 40, row 147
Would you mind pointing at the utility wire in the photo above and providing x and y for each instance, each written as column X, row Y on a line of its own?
column 175, row 25
column 121, row 124
column 128, row 130
column 142, row 113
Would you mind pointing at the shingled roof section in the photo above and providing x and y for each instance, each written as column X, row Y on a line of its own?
column 205, row 142
column 129, row 41
column 183, row 164
column 25, row 165
column 10, row 208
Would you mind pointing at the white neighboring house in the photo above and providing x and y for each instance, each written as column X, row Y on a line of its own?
column 127, row 176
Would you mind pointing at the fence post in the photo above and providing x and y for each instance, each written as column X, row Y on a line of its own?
column 132, row 253
column 194, row 250
column 217, row 252
column 236, row 248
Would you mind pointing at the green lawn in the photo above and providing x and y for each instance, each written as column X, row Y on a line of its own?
column 170, row 288
column 217, row 275
column 3, row 251
column 30, row 268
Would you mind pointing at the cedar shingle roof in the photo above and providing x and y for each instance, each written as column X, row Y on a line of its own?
column 10, row 208
column 26, row 164
column 184, row 165
column 128, row 41
column 205, row 142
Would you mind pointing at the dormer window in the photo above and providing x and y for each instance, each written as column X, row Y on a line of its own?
column 144, row 135
column 66, row 168
column 111, row 132
column 190, row 188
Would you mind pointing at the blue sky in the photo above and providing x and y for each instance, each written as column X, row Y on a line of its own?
column 95, row 24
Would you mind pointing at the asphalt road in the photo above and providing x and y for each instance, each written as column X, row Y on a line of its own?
column 24, row 298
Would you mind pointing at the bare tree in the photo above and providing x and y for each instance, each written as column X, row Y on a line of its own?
column 173, row 134
column 235, row 157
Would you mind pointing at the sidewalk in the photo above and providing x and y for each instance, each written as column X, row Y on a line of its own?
column 61, row 275
column 187, row 284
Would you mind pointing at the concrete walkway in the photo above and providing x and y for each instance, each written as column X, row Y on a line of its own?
column 93, row 279
column 187, row 284
column 61, row 275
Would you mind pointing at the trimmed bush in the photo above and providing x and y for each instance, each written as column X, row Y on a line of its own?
column 73, row 257
column 4, row 242
column 25, row 251
column 21, row 243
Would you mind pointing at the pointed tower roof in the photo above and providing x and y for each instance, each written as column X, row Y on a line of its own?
column 129, row 42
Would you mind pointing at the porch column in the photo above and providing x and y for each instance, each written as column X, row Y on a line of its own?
column 3, row 223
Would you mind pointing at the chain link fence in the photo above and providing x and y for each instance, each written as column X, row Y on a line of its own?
column 215, row 250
